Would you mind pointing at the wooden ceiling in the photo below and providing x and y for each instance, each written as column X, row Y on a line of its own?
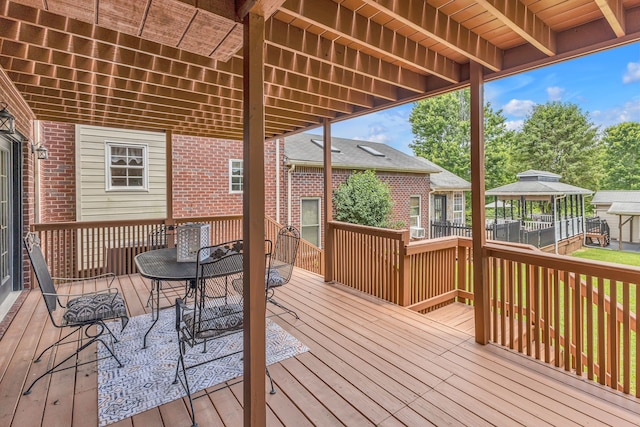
column 177, row 64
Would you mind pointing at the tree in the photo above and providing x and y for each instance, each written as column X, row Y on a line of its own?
column 363, row 199
column 560, row 138
column 621, row 156
column 441, row 127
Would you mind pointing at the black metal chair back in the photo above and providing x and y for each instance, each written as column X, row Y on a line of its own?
column 283, row 260
column 217, row 309
column 41, row 271
column 285, row 252
column 163, row 236
column 81, row 311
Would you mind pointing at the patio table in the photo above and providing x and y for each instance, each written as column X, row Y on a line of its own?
column 161, row 265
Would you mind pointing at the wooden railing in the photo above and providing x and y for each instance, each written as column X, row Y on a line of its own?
column 384, row 263
column 576, row 314
column 559, row 309
column 369, row 259
column 82, row 249
column 310, row 257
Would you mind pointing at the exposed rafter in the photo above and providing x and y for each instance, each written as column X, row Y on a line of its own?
column 519, row 18
column 156, row 64
column 422, row 17
column 613, row 11
column 356, row 29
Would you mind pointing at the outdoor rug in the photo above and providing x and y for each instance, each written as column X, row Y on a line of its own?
column 145, row 380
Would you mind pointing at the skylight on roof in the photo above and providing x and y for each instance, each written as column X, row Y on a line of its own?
column 371, row 150
column 320, row 143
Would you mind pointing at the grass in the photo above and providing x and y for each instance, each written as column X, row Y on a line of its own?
column 628, row 258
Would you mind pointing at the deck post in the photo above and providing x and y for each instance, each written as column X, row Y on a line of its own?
column 169, row 172
column 404, row 274
column 480, row 278
column 253, row 229
column 328, row 202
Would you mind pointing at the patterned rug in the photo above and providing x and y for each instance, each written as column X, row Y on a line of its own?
column 145, row 380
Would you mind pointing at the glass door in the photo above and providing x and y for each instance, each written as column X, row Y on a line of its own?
column 6, row 220
column 439, row 208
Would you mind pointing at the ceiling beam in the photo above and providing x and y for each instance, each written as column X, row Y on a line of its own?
column 355, row 28
column 301, row 42
column 519, row 18
column 223, row 8
column 264, row 8
column 613, row 11
column 424, row 18
column 95, row 57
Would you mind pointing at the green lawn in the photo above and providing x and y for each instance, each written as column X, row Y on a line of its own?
column 629, row 258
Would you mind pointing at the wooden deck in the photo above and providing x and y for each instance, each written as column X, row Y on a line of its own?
column 370, row 363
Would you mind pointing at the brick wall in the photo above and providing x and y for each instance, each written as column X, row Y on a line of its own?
column 308, row 182
column 18, row 107
column 201, row 177
column 58, row 173
column 201, row 180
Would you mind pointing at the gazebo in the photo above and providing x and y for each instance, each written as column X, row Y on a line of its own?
column 545, row 209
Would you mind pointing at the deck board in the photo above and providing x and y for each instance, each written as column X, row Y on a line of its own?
column 370, row 363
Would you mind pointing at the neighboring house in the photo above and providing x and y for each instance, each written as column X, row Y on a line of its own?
column 616, row 206
column 96, row 173
column 447, row 198
column 407, row 176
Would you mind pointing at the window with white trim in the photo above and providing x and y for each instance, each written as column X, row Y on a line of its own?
column 126, row 166
column 458, row 208
column 415, row 209
column 236, row 179
column 310, row 220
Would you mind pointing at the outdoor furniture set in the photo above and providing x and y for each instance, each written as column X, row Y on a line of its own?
column 208, row 295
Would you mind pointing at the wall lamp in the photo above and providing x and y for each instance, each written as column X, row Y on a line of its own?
column 7, row 121
column 40, row 150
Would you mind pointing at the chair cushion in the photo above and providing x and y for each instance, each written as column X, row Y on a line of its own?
column 214, row 321
column 274, row 279
column 101, row 306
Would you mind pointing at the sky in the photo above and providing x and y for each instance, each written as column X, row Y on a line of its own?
column 605, row 85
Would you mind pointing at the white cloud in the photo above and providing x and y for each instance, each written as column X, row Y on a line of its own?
column 514, row 124
column 633, row 72
column 554, row 93
column 518, row 108
column 629, row 112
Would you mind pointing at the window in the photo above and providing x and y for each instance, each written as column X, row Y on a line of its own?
column 236, row 180
column 458, row 208
column 414, row 211
column 310, row 220
column 126, row 167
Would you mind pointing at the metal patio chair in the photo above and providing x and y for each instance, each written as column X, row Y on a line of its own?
column 282, row 262
column 217, row 311
column 81, row 311
column 164, row 236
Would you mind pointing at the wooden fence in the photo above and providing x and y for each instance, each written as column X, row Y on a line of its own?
column 420, row 275
column 83, row 249
column 574, row 314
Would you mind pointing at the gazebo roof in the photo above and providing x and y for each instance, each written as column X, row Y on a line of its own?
column 534, row 184
column 177, row 65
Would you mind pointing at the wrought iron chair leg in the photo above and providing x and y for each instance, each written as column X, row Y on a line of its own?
column 285, row 308
column 273, row 389
column 60, row 341
column 57, row 365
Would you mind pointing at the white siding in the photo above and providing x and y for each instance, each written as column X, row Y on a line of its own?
column 94, row 202
column 614, row 221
